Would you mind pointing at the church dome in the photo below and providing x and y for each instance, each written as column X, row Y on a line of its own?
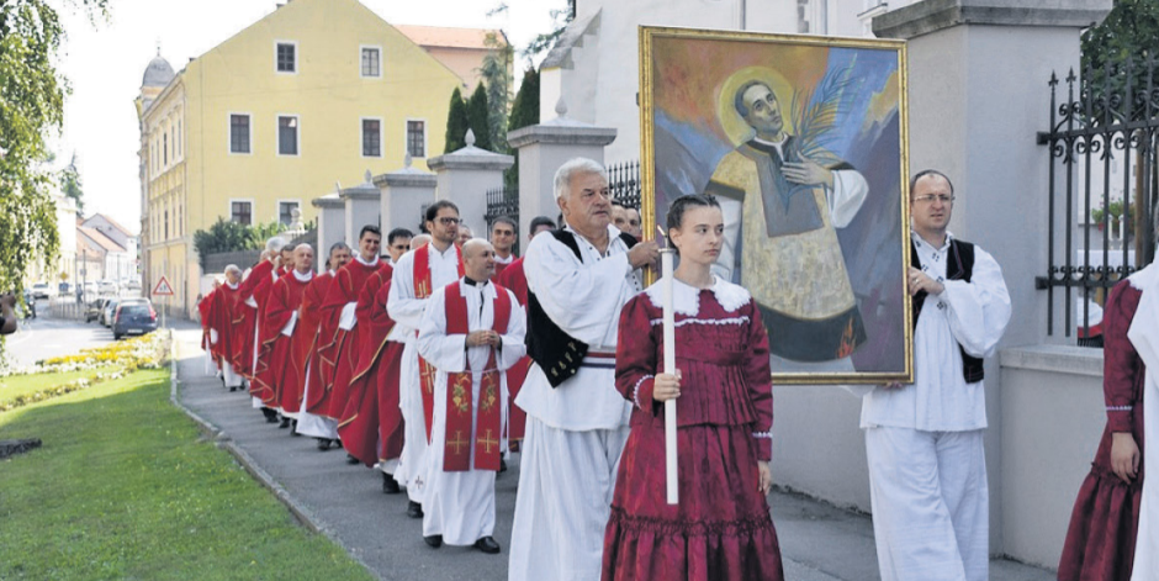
column 158, row 73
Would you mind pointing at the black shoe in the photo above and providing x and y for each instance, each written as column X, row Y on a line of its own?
column 294, row 428
column 436, row 541
column 271, row 415
column 323, row 444
column 232, row 389
column 351, row 460
column 487, row 545
column 285, row 423
column 502, row 465
column 415, row 510
column 389, row 484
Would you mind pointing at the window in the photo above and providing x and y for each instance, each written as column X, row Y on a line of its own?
column 287, row 57
column 416, row 138
column 371, row 61
column 287, row 135
column 177, row 142
column 239, row 133
column 241, row 212
column 165, row 149
column 166, row 225
column 285, row 212
column 371, row 138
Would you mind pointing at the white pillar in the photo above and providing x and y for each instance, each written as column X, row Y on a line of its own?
column 464, row 176
column 361, row 207
column 331, row 226
column 404, row 194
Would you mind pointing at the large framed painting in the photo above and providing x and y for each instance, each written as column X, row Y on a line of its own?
column 802, row 140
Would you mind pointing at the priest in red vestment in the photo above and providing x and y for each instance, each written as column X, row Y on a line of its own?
column 245, row 321
column 340, row 354
column 315, row 328
column 221, row 316
column 279, row 321
column 1109, row 536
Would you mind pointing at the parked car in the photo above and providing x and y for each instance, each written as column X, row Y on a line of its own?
column 133, row 284
column 93, row 309
column 134, row 317
column 108, row 312
column 107, row 287
column 40, row 290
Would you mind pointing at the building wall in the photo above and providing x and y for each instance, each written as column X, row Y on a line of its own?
column 464, row 62
column 327, row 94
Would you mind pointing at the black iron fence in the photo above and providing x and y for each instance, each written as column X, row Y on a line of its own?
column 1103, row 185
column 624, row 183
column 502, row 202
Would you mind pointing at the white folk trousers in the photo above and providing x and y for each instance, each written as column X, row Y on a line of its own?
column 930, row 500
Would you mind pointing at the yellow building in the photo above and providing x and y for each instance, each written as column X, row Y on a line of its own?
column 317, row 92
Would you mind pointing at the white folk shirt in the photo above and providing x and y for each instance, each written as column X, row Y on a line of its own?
column 971, row 314
column 1144, row 336
column 584, row 299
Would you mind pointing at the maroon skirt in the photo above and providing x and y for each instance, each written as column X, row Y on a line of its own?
column 1100, row 543
column 721, row 528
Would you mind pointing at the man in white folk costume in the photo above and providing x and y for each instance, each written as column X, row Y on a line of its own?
column 927, row 465
column 416, row 276
column 578, row 279
column 472, row 331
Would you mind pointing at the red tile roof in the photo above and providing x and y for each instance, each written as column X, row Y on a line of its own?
column 445, row 36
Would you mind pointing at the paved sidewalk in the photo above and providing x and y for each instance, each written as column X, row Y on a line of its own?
column 819, row 542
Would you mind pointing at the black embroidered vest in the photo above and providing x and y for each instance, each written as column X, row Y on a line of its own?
column 556, row 352
column 959, row 266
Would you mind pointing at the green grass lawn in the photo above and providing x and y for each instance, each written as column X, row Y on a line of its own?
column 17, row 385
column 124, row 488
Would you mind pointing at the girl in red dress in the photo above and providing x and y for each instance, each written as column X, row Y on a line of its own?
column 1100, row 544
column 721, row 528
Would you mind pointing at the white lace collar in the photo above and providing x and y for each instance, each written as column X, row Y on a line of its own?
column 303, row 277
column 686, row 298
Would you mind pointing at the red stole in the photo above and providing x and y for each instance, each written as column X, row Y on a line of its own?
column 456, row 449
column 422, row 289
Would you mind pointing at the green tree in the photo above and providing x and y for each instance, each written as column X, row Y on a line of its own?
column 229, row 236
column 70, row 185
column 477, row 115
column 546, row 41
column 32, row 93
column 496, row 73
column 1121, row 47
column 524, row 112
column 457, row 123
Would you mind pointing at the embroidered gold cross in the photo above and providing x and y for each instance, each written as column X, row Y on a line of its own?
column 428, row 376
column 458, row 442
column 488, row 441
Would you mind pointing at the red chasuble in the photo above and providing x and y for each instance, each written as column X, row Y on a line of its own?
column 423, row 289
column 489, row 425
column 341, row 355
column 203, row 314
column 360, row 429
column 221, row 317
column 514, row 279
column 274, row 370
column 305, row 341
column 245, row 318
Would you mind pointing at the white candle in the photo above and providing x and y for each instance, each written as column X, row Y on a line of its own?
column 669, row 367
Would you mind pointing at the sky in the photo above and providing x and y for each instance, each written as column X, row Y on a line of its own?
column 104, row 62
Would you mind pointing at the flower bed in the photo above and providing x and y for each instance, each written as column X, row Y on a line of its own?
column 114, row 361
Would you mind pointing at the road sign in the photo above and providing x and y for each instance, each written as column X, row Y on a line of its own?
column 163, row 289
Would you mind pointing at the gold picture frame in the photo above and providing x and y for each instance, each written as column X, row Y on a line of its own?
column 803, row 140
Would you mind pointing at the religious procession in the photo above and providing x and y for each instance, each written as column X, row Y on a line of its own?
column 433, row 362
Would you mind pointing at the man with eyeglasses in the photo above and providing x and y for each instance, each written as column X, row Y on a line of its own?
column 418, row 274
column 397, row 243
column 578, row 279
column 927, row 465
column 503, row 240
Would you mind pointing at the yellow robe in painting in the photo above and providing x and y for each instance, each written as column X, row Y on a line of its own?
column 790, row 258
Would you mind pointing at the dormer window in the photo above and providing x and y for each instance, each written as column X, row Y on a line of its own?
column 286, row 57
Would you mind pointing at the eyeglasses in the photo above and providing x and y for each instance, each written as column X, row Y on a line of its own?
column 448, row 221
column 929, row 198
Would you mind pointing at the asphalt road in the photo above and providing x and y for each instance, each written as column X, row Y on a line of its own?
column 47, row 336
column 819, row 542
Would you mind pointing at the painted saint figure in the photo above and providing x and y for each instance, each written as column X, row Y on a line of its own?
column 792, row 196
